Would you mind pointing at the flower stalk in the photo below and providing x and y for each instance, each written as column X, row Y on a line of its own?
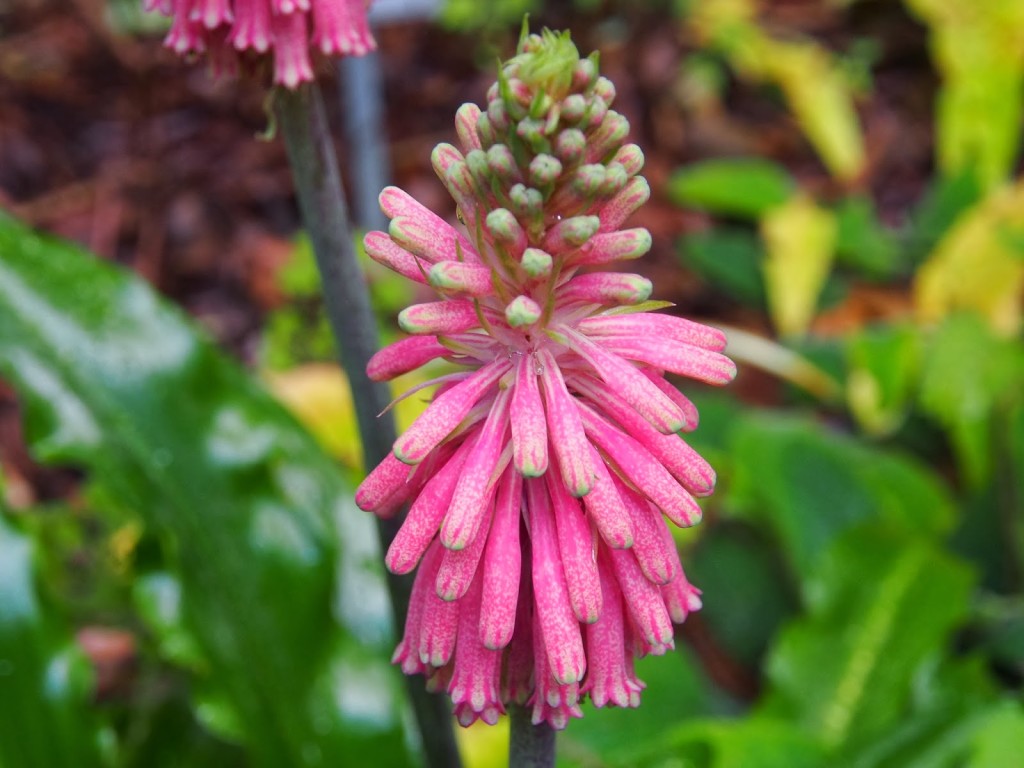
column 303, row 126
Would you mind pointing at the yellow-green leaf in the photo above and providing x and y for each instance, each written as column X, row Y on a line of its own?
column 979, row 265
column 800, row 243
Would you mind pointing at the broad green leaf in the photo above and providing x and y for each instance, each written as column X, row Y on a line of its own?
column 730, row 260
column 46, row 715
column 800, row 241
column 809, row 484
column 743, row 187
column 862, row 242
column 748, row 743
column 938, row 210
column 820, row 97
column 116, row 382
column 954, row 706
column 884, row 364
column 747, row 594
column 979, row 265
column 999, row 742
column 676, row 691
column 967, row 372
column 880, row 605
column 979, row 51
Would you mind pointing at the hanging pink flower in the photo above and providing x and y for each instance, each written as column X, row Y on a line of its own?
column 540, row 475
column 288, row 28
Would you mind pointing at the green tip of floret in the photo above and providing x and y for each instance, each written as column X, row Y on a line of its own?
column 546, row 62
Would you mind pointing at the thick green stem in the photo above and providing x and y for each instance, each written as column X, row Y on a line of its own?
column 303, row 125
column 530, row 746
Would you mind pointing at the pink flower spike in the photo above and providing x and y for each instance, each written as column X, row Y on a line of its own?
column 606, row 288
column 529, row 428
column 576, row 547
column 556, row 621
column 340, row 28
column 565, row 430
column 643, row 470
column 404, row 356
column 648, row 324
column 630, row 383
column 643, row 599
column 439, row 317
column 469, row 503
column 426, row 513
column 291, row 50
column 502, row 565
column 445, row 413
column 384, row 480
column 686, row 360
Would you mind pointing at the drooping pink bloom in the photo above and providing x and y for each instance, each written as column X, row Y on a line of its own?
column 540, row 477
column 287, row 29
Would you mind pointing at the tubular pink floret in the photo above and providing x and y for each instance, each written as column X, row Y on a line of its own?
column 502, row 565
column 404, row 356
column 290, row 34
column 576, row 547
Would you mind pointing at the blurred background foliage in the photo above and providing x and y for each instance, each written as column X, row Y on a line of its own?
column 196, row 587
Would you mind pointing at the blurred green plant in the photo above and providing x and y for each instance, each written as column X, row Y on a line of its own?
column 264, row 590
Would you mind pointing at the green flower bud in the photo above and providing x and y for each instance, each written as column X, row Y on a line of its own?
column 544, row 170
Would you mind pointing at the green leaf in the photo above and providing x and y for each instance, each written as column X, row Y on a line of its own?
column 746, row 584
column 743, row 187
column 881, row 603
column 968, row 371
column 941, row 206
column 884, row 364
column 46, row 718
column 118, row 383
column 611, row 736
column 810, row 484
column 999, row 742
column 862, row 242
column 730, row 260
column 749, row 743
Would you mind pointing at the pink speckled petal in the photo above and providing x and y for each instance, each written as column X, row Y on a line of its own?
column 502, row 565
column 529, row 427
column 445, row 413
column 632, row 385
column 642, row 469
column 684, row 359
column 643, row 598
column 386, row 478
column 605, row 508
column 426, row 513
column 554, row 614
column 439, row 317
column 650, row 325
column 404, row 356
column 576, row 547
column 606, row 648
column 475, row 488
column 292, row 66
column 565, row 428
